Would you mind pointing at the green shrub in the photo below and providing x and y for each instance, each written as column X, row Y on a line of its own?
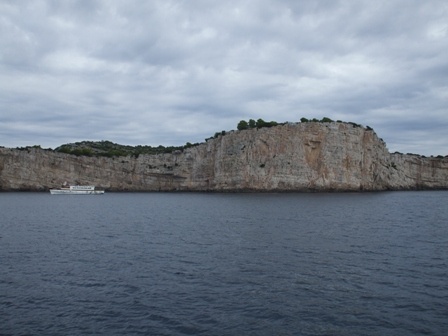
column 242, row 125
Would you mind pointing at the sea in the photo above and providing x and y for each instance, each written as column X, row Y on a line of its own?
column 373, row 263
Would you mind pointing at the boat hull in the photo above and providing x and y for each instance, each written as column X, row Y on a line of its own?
column 76, row 192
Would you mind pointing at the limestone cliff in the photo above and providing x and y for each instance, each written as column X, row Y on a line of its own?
column 292, row 157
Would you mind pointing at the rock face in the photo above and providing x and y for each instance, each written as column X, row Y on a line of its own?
column 292, row 157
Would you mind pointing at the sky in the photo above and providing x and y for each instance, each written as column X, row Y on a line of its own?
column 169, row 72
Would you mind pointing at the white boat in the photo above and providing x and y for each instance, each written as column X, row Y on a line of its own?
column 76, row 190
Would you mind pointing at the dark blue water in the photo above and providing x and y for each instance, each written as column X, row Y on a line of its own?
column 224, row 264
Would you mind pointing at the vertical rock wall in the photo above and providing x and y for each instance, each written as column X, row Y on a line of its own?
column 290, row 157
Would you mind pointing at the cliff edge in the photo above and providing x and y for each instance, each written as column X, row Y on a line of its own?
column 310, row 156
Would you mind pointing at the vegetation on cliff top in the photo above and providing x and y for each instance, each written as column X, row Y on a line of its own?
column 260, row 123
column 110, row 149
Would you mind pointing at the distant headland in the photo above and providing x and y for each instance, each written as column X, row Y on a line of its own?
column 310, row 155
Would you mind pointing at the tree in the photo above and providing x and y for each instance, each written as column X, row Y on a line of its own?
column 326, row 119
column 304, row 120
column 252, row 123
column 242, row 125
column 261, row 123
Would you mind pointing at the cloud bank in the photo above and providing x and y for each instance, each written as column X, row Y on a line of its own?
column 167, row 72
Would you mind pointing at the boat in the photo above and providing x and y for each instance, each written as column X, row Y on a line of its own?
column 76, row 190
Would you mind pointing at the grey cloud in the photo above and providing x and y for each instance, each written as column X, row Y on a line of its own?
column 170, row 72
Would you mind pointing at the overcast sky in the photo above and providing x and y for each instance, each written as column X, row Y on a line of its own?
column 170, row 72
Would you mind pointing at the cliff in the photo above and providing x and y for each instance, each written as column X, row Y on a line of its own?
column 292, row 157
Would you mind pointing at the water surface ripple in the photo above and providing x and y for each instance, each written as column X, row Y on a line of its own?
column 224, row 264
